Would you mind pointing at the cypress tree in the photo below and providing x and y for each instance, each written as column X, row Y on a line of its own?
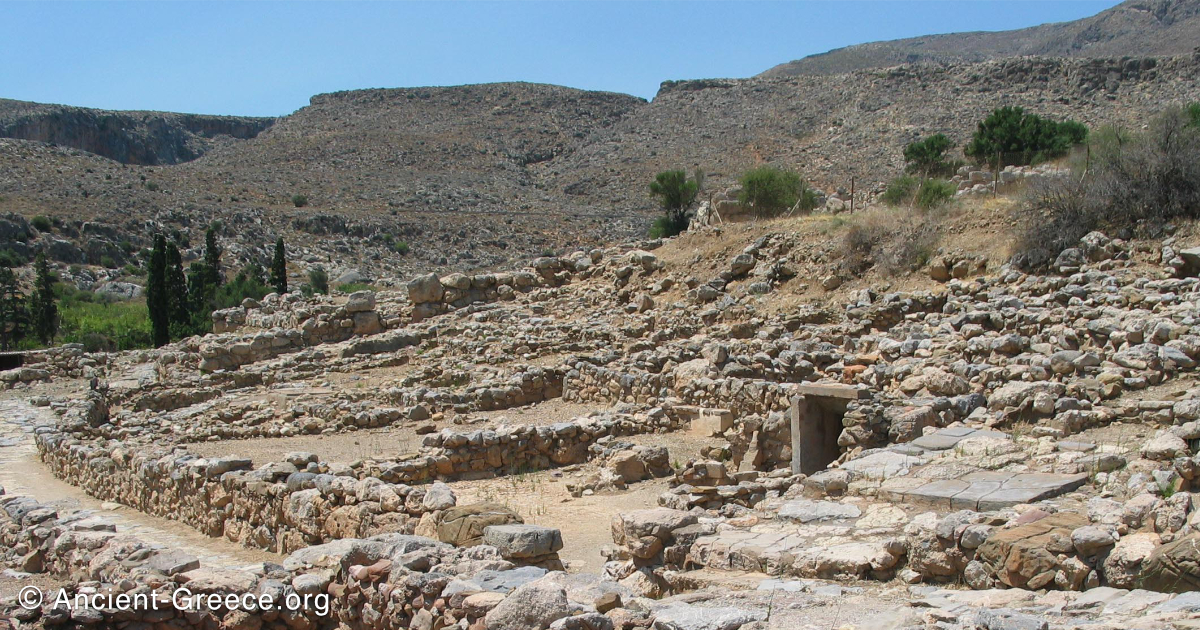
column 279, row 268
column 157, row 301
column 43, row 308
column 178, row 310
column 212, row 258
column 13, row 315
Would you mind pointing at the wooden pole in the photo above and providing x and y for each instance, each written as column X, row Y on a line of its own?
column 996, row 177
column 851, row 194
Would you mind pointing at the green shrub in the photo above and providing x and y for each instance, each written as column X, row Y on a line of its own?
column 101, row 324
column 674, row 190
column 771, row 191
column 1012, row 136
column 928, row 156
column 921, row 193
column 400, row 247
column 108, row 262
column 299, row 201
column 675, row 193
column 318, row 280
column 933, row 193
column 41, row 223
column 901, row 191
column 351, row 287
column 9, row 258
column 1193, row 112
column 668, row 225
column 1134, row 182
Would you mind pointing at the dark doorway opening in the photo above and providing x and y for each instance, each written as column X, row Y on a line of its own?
column 816, row 424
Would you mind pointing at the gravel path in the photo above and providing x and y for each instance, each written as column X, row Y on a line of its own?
column 22, row 473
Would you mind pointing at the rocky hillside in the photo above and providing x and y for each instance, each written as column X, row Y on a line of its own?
column 473, row 177
column 145, row 138
column 1134, row 27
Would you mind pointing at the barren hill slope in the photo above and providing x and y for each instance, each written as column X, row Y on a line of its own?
column 1134, row 27
column 473, row 176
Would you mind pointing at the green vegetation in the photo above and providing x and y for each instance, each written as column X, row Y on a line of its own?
column 250, row 282
column 928, row 156
column 675, row 193
column 299, row 200
column 178, row 307
column 351, row 287
column 103, row 325
column 923, row 193
column 772, row 191
column 1193, row 113
column 279, row 268
column 41, row 223
column 318, row 279
column 157, row 303
column 1009, row 135
column 14, row 316
column 9, row 258
column 42, row 307
column 1131, row 181
column 400, row 247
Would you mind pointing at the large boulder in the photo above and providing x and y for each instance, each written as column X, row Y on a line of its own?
column 1124, row 564
column 1173, row 567
column 1027, row 556
column 426, row 288
column 360, row 302
column 523, row 541
column 656, row 522
column 533, row 606
column 463, row 525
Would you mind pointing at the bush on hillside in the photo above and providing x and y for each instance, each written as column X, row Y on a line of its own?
column 928, row 157
column 891, row 241
column 1013, row 136
column 675, row 193
column 925, row 194
column 771, row 191
column 1132, row 182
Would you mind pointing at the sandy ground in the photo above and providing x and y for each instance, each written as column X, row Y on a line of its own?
column 386, row 442
column 22, row 473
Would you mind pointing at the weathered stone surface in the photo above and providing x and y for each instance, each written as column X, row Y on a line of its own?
column 533, row 606
column 523, row 541
column 463, row 526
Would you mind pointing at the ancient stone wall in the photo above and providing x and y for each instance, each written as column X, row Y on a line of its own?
column 281, row 506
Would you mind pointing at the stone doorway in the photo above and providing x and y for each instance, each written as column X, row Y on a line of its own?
column 816, row 423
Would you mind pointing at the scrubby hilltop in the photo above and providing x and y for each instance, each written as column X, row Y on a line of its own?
column 1134, row 27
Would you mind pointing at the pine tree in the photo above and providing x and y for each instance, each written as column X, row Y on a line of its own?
column 279, row 268
column 178, row 310
column 157, row 300
column 212, row 258
column 14, row 317
column 44, row 310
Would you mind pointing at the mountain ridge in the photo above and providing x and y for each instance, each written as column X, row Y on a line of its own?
column 1136, row 27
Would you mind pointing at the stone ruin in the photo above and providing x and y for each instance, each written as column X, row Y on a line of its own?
column 1006, row 451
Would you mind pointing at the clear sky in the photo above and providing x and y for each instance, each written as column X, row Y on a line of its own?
column 268, row 58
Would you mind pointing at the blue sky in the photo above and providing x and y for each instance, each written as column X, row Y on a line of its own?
column 268, row 58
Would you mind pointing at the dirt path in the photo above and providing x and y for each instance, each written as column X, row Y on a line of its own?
column 22, row 473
